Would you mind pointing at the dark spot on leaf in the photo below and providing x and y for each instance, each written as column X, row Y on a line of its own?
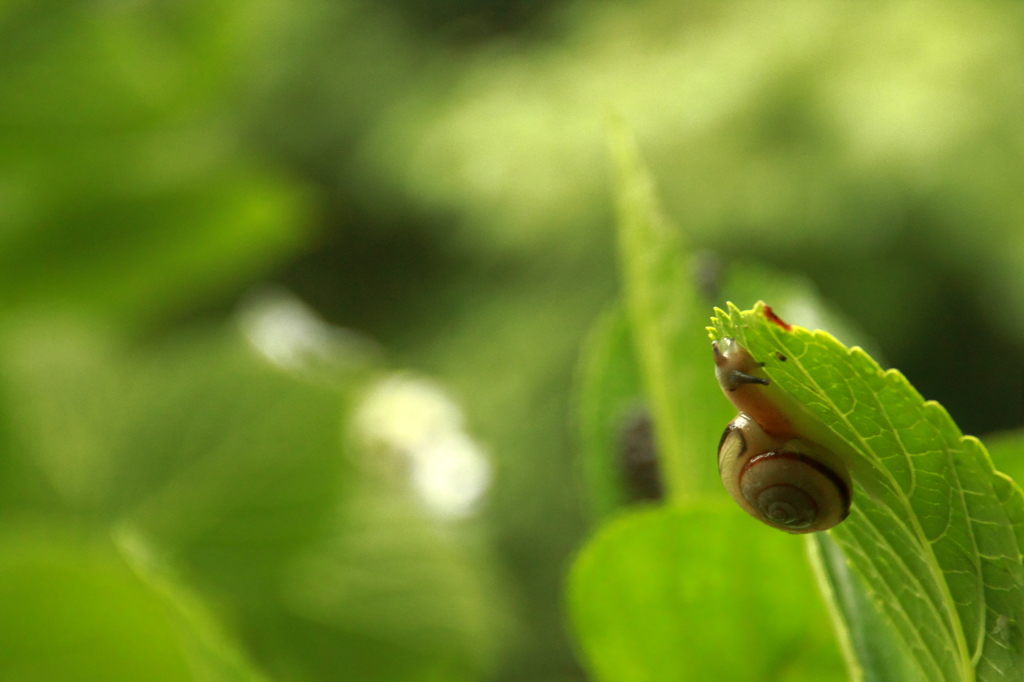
column 781, row 357
column 707, row 273
column 638, row 458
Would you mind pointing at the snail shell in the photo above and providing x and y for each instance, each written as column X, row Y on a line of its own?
column 786, row 481
column 793, row 485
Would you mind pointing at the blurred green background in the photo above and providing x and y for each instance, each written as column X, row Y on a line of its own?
column 291, row 295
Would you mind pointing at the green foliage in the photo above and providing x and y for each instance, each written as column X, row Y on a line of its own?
column 75, row 612
column 124, row 189
column 214, row 468
column 663, row 310
column 177, row 502
column 698, row 592
column 873, row 652
column 936, row 589
column 665, row 594
column 79, row 607
column 608, row 395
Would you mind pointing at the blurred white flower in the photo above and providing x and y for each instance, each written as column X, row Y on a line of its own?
column 290, row 335
column 415, row 418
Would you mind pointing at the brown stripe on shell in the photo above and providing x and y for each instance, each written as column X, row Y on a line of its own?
column 836, row 479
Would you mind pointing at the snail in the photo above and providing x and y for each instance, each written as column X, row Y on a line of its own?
column 775, row 475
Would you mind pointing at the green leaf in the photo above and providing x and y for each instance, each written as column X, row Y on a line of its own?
column 698, row 592
column 612, row 415
column 74, row 611
column 932, row 529
column 1007, row 452
column 663, row 308
column 212, row 655
column 873, row 651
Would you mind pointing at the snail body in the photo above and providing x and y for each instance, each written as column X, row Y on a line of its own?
column 778, row 477
column 740, row 377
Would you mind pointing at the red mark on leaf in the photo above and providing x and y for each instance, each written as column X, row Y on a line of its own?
column 772, row 317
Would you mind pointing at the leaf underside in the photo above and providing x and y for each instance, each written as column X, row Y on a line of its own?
column 935, row 531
